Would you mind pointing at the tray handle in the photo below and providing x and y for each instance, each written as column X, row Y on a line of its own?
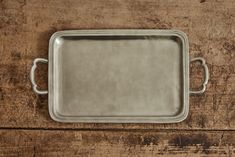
column 32, row 72
column 206, row 75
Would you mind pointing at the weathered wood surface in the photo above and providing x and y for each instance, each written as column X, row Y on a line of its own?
column 26, row 25
column 106, row 143
column 25, row 28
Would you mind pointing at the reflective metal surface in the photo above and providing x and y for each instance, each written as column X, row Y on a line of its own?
column 119, row 76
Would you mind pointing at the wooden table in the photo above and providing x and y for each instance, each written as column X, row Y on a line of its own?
column 25, row 126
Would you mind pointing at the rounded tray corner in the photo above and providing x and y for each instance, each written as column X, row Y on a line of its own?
column 54, row 115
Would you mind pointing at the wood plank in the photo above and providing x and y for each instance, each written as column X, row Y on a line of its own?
column 119, row 143
column 26, row 25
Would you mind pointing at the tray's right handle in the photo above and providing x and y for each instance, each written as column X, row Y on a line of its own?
column 206, row 75
column 32, row 71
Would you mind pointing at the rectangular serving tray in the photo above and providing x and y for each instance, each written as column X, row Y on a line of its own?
column 118, row 76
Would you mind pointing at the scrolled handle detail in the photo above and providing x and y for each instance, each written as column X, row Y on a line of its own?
column 32, row 75
column 206, row 75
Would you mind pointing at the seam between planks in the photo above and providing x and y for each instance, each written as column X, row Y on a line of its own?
column 111, row 130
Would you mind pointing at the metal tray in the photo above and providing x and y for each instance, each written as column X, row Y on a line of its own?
column 118, row 76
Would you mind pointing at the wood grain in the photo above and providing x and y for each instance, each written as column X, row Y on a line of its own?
column 26, row 26
column 117, row 143
column 25, row 126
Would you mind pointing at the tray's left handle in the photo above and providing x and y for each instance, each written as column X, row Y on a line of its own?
column 32, row 71
column 206, row 75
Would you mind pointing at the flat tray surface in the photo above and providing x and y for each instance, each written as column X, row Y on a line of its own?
column 118, row 76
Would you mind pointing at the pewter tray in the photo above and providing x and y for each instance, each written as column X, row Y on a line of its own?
column 118, row 76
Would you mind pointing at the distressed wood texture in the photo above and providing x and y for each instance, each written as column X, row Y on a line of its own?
column 106, row 144
column 26, row 26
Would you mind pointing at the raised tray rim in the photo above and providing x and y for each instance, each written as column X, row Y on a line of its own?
column 112, row 32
